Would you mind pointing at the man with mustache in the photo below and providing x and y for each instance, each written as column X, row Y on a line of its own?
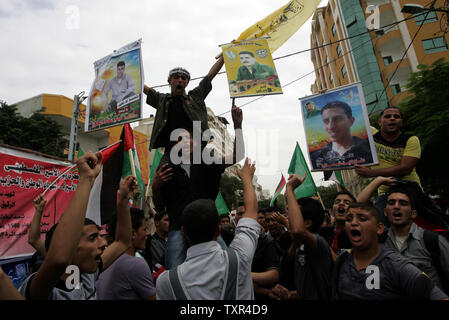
column 398, row 154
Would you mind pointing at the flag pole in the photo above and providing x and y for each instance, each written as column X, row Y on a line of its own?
column 73, row 166
column 57, row 178
column 131, row 160
column 321, row 200
column 136, row 192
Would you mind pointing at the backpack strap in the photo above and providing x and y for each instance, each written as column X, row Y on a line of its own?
column 230, row 289
column 432, row 245
column 175, row 281
column 336, row 272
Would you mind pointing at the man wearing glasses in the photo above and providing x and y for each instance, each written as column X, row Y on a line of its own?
column 179, row 109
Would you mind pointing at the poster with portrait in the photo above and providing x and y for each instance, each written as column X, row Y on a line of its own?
column 250, row 68
column 337, row 129
column 116, row 94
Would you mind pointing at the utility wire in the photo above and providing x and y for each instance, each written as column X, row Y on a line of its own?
column 403, row 56
column 387, row 27
column 310, row 49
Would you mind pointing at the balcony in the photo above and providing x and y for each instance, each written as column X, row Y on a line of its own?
column 402, row 73
column 400, row 97
column 388, row 41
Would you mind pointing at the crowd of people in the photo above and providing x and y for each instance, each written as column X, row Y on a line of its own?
column 354, row 250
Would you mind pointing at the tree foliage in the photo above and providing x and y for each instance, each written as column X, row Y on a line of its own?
column 426, row 115
column 37, row 133
column 231, row 188
column 328, row 194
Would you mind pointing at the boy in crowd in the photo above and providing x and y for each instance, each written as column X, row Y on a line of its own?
column 76, row 242
column 312, row 257
column 372, row 272
column 129, row 277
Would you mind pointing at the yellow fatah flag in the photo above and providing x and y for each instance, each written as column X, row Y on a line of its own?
column 281, row 24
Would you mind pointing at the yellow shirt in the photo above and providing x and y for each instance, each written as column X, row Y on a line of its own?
column 390, row 154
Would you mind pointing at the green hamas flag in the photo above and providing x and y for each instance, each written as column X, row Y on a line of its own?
column 220, row 203
column 298, row 165
column 156, row 159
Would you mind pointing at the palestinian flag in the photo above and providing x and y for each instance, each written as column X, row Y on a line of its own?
column 278, row 190
column 103, row 196
column 131, row 164
column 336, row 177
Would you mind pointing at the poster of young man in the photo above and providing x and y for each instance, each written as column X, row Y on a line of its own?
column 337, row 129
column 116, row 94
column 250, row 69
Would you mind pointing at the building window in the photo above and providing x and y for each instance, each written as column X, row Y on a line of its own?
column 327, row 60
column 396, row 88
column 331, row 78
column 431, row 17
column 387, row 60
column 334, row 30
column 434, row 45
column 379, row 33
column 344, row 71
column 339, row 50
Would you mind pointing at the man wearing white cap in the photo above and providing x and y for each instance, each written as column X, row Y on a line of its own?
column 177, row 109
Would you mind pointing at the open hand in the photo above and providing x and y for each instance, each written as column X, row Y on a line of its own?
column 163, row 174
column 247, row 171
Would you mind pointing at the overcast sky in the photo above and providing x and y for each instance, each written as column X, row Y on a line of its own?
column 49, row 46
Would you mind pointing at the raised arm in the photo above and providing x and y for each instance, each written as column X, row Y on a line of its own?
column 366, row 194
column 123, row 231
column 404, row 168
column 295, row 218
column 249, row 194
column 238, row 152
column 68, row 232
column 216, row 67
column 34, row 236
column 7, row 289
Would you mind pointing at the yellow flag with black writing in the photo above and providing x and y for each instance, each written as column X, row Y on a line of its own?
column 280, row 25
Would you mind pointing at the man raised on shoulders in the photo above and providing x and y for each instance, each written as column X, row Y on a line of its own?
column 209, row 271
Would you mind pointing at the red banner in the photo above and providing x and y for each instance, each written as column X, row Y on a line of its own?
column 23, row 176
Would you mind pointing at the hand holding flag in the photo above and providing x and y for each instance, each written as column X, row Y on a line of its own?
column 89, row 166
column 127, row 188
column 294, row 181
